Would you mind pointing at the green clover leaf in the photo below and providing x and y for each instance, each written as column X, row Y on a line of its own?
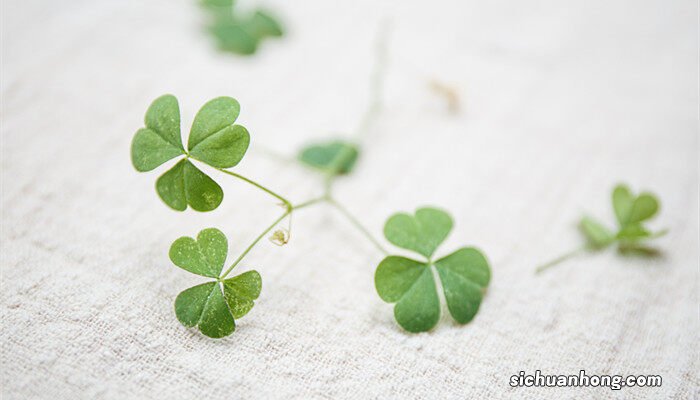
column 213, row 140
column 411, row 286
column 213, row 137
column 204, row 256
column 160, row 140
column 597, row 234
column 422, row 233
column 213, row 306
column 185, row 184
column 240, row 291
column 322, row 156
column 232, row 37
column 204, row 306
column 464, row 274
column 262, row 25
column 630, row 209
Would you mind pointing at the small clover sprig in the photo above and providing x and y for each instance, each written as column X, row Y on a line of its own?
column 237, row 33
column 464, row 274
column 215, row 140
column 213, row 306
column 631, row 213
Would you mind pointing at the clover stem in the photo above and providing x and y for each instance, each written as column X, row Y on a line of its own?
column 286, row 202
column 373, row 109
column 376, row 80
column 309, row 202
column 250, row 247
column 269, row 228
column 279, row 157
column 561, row 259
column 357, row 224
column 340, row 159
column 328, row 184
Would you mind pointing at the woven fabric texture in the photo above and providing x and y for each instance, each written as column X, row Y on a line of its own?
column 558, row 102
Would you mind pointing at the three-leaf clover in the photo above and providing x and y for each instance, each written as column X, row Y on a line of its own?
column 631, row 212
column 213, row 306
column 323, row 156
column 213, row 140
column 464, row 274
column 237, row 33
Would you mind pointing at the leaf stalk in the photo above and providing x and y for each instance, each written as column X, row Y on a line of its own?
column 357, row 224
column 287, row 203
column 561, row 259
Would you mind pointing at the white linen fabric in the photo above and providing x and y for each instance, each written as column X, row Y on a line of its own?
column 559, row 102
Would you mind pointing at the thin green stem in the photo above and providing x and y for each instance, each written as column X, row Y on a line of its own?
column 282, row 158
column 328, row 184
column 250, row 247
column 334, row 168
column 357, row 224
column 286, row 202
column 373, row 109
column 340, row 159
column 309, row 202
column 376, row 80
column 269, row 228
column 560, row 259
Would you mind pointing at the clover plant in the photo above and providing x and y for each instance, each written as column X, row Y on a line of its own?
column 632, row 212
column 217, row 143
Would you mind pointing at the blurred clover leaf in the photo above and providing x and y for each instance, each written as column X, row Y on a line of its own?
column 324, row 156
column 217, row 3
column 410, row 284
column 240, row 34
column 213, row 140
column 213, row 306
column 631, row 212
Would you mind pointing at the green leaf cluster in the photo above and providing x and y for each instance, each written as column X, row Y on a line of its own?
column 336, row 156
column 213, row 140
column 214, row 306
column 240, row 34
column 631, row 211
column 410, row 284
